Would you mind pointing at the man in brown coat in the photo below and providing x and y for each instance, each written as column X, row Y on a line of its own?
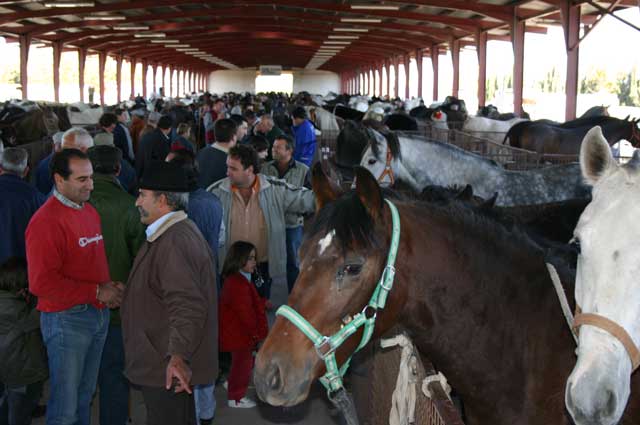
column 169, row 313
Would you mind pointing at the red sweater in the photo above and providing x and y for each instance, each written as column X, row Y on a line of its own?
column 243, row 321
column 66, row 256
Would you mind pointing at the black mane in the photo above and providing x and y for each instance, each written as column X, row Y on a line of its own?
column 352, row 223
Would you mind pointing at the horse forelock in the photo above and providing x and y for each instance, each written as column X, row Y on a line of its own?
column 393, row 143
column 349, row 219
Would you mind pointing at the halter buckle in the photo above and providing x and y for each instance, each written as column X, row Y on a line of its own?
column 320, row 348
column 389, row 270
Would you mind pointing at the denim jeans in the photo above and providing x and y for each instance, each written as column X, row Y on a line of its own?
column 74, row 339
column 113, row 386
column 205, row 401
column 17, row 404
column 294, row 240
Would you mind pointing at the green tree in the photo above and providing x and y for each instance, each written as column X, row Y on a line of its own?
column 628, row 89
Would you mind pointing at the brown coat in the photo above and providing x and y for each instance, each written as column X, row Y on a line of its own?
column 170, row 306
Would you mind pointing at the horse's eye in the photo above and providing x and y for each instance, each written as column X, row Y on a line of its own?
column 353, row 269
column 372, row 161
column 575, row 244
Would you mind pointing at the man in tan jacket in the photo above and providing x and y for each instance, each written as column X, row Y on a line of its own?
column 169, row 311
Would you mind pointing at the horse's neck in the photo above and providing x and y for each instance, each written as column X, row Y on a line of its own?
column 425, row 163
column 617, row 130
column 497, row 333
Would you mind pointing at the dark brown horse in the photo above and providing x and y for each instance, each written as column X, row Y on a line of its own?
column 476, row 299
column 547, row 137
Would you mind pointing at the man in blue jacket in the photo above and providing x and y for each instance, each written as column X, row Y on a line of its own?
column 18, row 202
column 305, row 137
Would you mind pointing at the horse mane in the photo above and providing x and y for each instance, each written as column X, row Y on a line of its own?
column 589, row 121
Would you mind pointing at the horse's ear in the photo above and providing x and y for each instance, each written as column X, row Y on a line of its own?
column 369, row 192
column 465, row 194
column 627, row 118
column 323, row 188
column 596, row 159
column 489, row 203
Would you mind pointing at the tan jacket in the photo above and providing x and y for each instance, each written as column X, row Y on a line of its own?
column 170, row 306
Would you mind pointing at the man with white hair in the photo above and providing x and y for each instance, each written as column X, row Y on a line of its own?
column 18, row 202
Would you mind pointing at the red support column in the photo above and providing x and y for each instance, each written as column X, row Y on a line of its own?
column 102, row 59
column 133, row 78
column 455, row 59
column 571, row 24
column 119, row 76
column 171, row 71
column 145, row 69
column 155, row 74
column 25, row 42
column 388, row 63
column 407, row 63
column 435, row 54
column 517, row 37
column 481, row 50
column 419, row 66
column 57, row 55
column 164, row 80
column 396, row 83
column 184, row 82
column 82, row 59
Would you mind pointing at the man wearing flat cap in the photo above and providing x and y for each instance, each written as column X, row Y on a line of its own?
column 169, row 315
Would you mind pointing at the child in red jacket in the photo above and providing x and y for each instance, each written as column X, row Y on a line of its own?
column 243, row 321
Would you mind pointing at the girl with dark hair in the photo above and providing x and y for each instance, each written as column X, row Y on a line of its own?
column 243, row 321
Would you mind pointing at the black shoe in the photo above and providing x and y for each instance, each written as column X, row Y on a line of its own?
column 206, row 421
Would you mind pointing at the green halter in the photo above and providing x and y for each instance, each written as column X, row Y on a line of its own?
column 326, row 346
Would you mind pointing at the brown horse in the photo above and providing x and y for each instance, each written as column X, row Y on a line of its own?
column 546, row 137
column 475, row 297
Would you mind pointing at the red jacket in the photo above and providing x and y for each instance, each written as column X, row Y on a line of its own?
column 242, row 322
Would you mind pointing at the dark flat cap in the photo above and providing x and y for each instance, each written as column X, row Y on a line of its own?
column 164, row 176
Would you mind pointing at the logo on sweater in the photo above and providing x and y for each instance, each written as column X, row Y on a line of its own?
column 86, row 241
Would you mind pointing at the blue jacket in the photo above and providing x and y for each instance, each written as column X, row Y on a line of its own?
column 205, row 210
column 43, row 181
column 121, row 141
column 18, row 202
column 305, row 142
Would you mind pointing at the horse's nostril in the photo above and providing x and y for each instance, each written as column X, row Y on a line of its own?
column 274, row 381
column 611, row 404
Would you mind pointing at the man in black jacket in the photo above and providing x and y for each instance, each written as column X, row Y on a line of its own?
column 212, row 160
column 23, row 358
column 154, row 146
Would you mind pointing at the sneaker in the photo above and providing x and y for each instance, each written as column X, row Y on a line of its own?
column 244, row 403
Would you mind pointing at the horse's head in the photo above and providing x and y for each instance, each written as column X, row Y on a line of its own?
column 342, row 258
column 635, row 133
column 607, row 287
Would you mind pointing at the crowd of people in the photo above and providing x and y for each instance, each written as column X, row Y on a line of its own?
column 138, row 256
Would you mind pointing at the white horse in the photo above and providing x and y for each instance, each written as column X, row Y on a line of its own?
column 607, row 284
column 486, row 128
column 420, row 163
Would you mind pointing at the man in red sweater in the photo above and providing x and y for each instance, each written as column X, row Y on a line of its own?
column 68, row 272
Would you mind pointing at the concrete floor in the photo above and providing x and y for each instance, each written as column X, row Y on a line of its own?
column 315, row 411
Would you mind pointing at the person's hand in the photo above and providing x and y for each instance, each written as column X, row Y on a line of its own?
column 110, row 293
column 178, row 375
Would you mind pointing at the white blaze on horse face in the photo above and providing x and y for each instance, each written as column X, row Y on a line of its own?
column 325, row 242
column 607, row 284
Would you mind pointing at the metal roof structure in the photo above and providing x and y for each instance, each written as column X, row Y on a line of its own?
column 246, row 33
column 335, row 35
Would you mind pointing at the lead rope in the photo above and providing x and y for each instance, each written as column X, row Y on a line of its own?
column 562, row 297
